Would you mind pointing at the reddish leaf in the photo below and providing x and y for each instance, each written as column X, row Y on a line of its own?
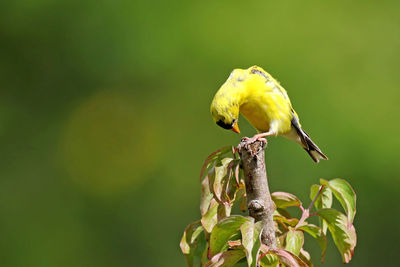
column 345, row 194
column 305, row 256
column 193, row 244
column 267, row 258
column 289, row 222
column 289, row 258
column 343, row 235
column 210, row 160
column 226, row 258
column 285, row 257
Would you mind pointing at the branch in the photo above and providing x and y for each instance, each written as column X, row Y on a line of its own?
column 259, row 202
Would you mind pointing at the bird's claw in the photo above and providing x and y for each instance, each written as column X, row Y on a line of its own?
column 247, row 141
column 261, row 139
column 254, row 139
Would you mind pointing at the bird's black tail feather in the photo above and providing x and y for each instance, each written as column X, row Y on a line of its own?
column 308, row 145
column 312, row 149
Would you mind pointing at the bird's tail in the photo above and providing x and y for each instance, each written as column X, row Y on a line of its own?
column 311, row 148
column 305, row 141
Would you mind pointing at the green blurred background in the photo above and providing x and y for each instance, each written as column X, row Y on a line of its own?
column 104, row 119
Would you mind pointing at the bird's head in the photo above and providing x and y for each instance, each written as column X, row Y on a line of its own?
column 225, row 105
column 226, row 118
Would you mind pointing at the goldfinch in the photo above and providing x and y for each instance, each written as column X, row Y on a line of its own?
column 264, row 103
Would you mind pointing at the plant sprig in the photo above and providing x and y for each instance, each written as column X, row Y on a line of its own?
column 222, row 239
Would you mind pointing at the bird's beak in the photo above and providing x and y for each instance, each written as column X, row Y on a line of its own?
column 236, row 127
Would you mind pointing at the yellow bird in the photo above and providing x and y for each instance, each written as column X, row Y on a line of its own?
column 264, row 103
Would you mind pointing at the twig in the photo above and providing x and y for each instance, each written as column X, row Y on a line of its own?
column 259, row 202
column 306, row 213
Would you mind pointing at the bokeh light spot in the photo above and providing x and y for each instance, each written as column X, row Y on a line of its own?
column 109, row 144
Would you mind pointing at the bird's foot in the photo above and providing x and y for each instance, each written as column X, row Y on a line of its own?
column 247, row 141
column 254, row 139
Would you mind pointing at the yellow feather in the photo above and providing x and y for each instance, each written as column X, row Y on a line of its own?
column 261, row 100
column 264, row 103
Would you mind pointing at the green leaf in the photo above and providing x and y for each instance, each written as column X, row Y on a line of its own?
column 222, row 176
column 193, row 244
column 223, row 231
column 251, row 241
column 210, row 218
column 294, row 241
column 233, row 187
column 343, row 234
column 317, row 233
column 345, row 194
column 288, row 258
column 204, row 257
column 283, row 200
column 239, row 194
column 323, row 201
column 213, row 158
column 226, row 259
column 224, row 210
column 279, row 218
column 205, row 196
column 268, row 258
column 325, row 198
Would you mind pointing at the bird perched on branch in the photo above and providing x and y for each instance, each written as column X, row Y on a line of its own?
column 264, row 103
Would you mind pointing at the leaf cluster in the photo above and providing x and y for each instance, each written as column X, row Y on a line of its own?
column 222, row 239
